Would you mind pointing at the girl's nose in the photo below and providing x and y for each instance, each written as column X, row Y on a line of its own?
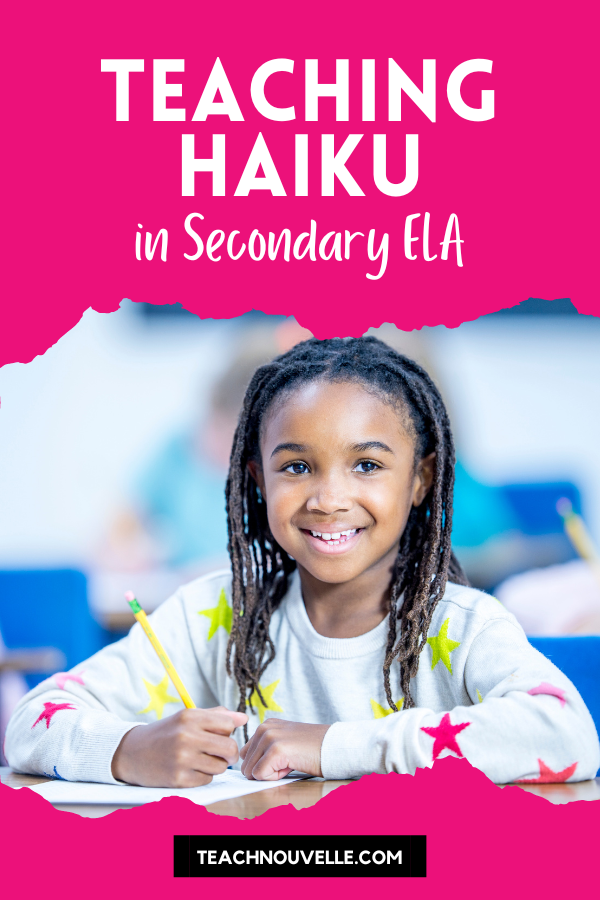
column 329, row 496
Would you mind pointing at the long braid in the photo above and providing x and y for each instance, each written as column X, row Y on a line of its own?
column 261, row 567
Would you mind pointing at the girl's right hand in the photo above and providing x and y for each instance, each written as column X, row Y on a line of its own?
column 183, row 750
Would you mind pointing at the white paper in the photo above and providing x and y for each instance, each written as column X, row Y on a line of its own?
column 223, row 787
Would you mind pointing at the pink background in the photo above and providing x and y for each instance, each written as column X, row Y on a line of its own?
column 482, row 841
column 524, row 186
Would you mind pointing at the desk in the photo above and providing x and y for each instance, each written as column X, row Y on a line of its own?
column 299, row 793
column 302, row 794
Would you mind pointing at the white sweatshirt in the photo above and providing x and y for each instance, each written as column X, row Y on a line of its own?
column 481, row 692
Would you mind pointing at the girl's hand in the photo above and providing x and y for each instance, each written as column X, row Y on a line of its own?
column 183, row 750
column 278, row 747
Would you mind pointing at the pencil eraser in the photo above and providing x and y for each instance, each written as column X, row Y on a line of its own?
column 564, row 507
column 129, row 596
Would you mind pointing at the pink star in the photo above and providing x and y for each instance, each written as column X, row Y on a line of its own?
column 49, row 710
column 545, row 688
column 547, row 776
column 444, row 736
column 61, row 678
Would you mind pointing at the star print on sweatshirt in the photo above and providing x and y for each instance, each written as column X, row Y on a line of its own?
column 159, row 696
column 481, row 692
column 50, row 709
column 442, row 647
column 221, row 615
column 547, row 776
column 445, row 736
column 267, row 703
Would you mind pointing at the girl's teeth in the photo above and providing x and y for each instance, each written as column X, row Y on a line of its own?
column 336, row 538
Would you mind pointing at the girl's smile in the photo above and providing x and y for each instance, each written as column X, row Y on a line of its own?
column 336, row 541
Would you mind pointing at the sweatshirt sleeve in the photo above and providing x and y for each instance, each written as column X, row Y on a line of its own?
column 71, row 724
column 526, row 723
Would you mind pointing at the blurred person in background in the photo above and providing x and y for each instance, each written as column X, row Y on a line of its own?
column 174, row 527
column 554, row 601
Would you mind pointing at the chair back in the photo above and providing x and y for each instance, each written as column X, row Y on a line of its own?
column 579, row 658
column 48, row 608
column 534, row 505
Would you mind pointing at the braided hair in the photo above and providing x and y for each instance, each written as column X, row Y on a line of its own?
column 261, row 567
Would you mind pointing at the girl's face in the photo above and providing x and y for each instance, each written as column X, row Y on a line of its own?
column 339, row 478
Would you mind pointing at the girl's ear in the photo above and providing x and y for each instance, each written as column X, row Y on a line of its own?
column 423, row 479
column 256, row 471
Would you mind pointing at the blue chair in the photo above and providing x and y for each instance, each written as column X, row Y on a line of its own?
column 534, row 505
column 49, row 608
column 579, row 658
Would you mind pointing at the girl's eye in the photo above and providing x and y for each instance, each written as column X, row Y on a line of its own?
column 366, row 466
column 297, row 468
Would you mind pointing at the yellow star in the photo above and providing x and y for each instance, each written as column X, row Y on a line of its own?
column 158, row 697
column 479, row 697
column 380, row 711
column 269, row 703
column 442, row 647
column 221, row 614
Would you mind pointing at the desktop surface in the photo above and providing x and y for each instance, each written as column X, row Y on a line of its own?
column 301, row 794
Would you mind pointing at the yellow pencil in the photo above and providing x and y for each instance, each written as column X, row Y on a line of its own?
column 162, row 655
column 576, row 530
column 579, row 535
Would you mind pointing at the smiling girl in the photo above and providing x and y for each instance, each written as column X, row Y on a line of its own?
column 345, row 638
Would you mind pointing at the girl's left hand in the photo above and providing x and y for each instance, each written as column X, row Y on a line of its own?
column 278, row 747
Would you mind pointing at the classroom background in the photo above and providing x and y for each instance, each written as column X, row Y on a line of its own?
column 114, row 448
